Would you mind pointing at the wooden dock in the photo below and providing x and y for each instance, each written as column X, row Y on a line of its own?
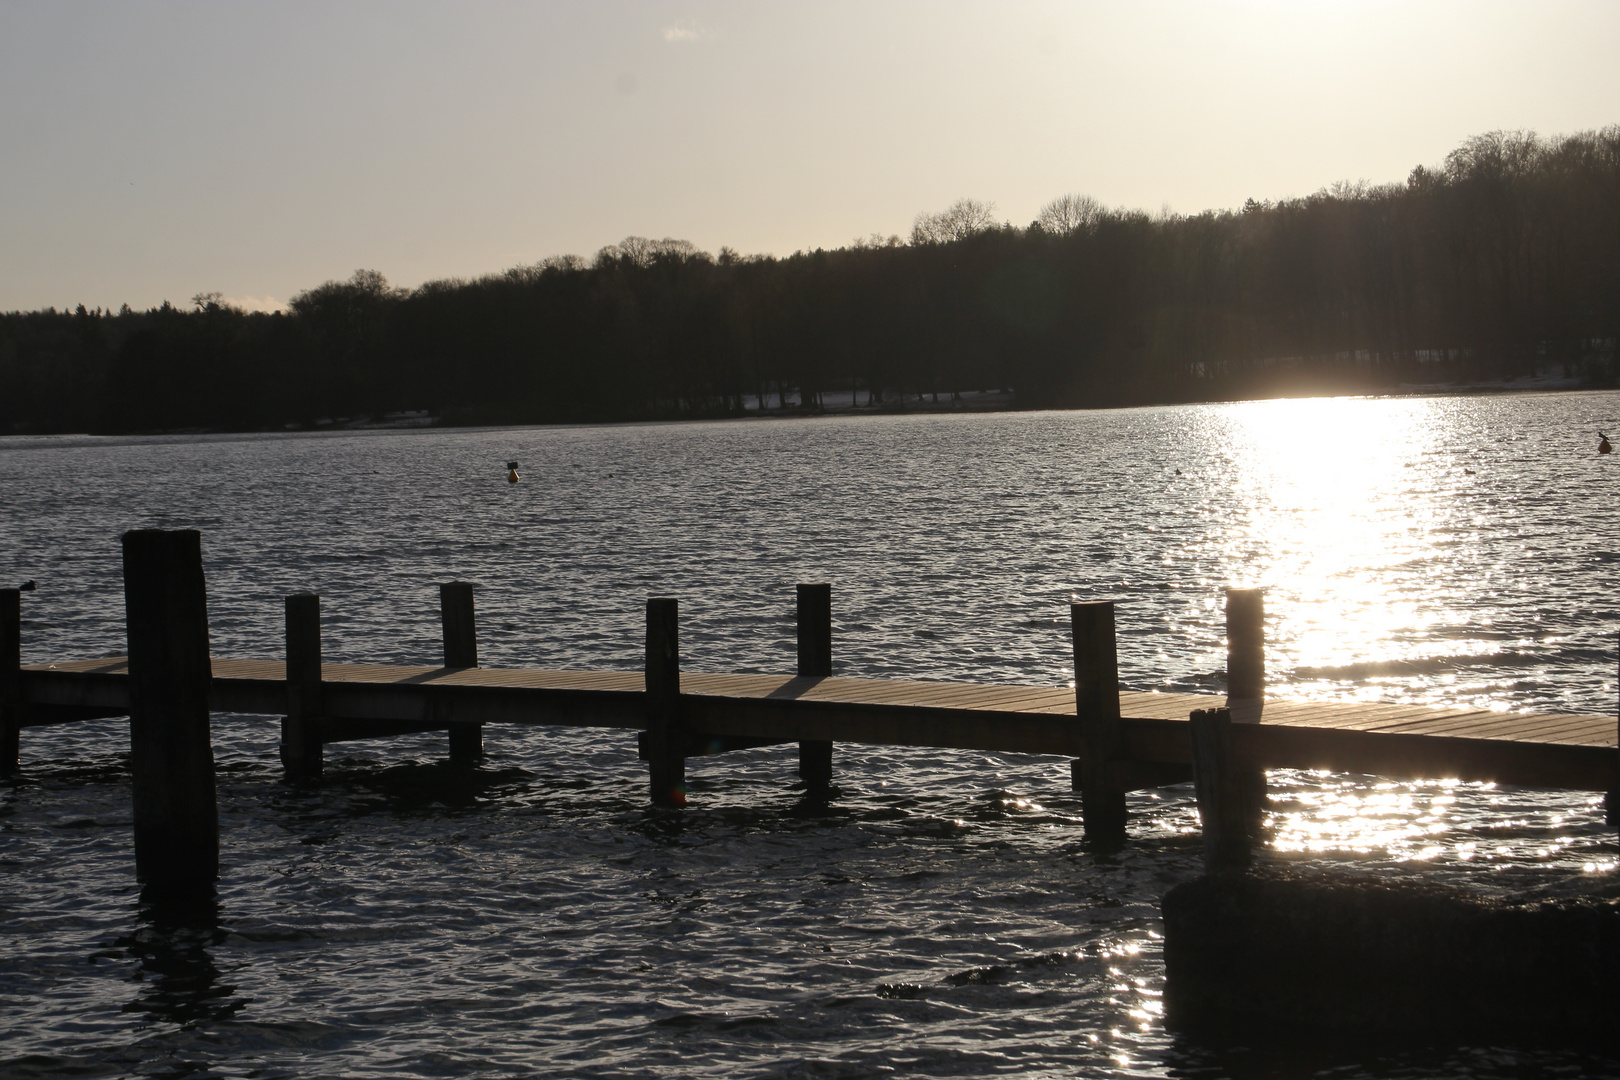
column 1117, row 741
column 363, row 701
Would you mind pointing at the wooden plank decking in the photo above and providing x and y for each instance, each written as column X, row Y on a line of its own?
column 364, row 700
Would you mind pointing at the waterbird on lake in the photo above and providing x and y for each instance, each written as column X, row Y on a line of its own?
column 1603, row 444
column 27, row 586
column 511, row 472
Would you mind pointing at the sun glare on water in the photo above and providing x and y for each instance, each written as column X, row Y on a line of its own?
column 1347, row 505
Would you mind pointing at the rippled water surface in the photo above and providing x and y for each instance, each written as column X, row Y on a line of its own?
column 942, row 915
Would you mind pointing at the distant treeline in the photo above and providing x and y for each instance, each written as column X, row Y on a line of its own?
column 1503, row 260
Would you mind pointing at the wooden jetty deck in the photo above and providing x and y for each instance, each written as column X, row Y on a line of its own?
column 1117, row 741
column 371, row 700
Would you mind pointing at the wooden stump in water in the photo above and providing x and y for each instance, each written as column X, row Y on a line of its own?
column 666, row 734
column 301, row 750
column 1096, row 701
column 815, row 660
column 11, row 703
column 1222, row 794
column 171, row 754
column 461, row 651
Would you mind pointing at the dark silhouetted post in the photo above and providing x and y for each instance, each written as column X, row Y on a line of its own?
column 11, row 703
column 1246, row 683
column 461, row 651
column 1096, row 702
column 666, row 737
column 1611, row 800
column 1221, row 799
column 815, row 660
column 301, row 728
column 171, row 755
column 1245, row 644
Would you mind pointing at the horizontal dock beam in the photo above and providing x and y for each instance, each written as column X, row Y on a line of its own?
column 369, row 701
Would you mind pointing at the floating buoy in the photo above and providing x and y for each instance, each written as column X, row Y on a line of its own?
column 511, row 472
column 1603, row 444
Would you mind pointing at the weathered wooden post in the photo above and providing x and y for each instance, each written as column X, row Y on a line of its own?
column 815, row 660
column 11, row 703
column 301, row 754
column 1246, row 683
column 666, row 735
column 1096, row 706
column 1222, row 806
column 1245, row 644
column 461, row 651
column 171, row 755
column 1611, row 799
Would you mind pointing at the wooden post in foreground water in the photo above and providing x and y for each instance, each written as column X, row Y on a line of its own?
column 1096, row 706
column 1222, row 801
column 815, row 660
column 1611, row 799
column 461, row 651
column 666, row 736
column 171, row 755
column 301, row 753
column 1246, row 684
column 11, row 705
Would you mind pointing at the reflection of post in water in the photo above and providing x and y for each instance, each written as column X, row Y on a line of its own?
column 175, row 928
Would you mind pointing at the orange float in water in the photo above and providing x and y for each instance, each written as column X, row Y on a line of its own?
column 511, row 472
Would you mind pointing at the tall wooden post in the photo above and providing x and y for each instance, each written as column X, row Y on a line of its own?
column 1096, row 703
column 1611, row 799
column 301, row 754
column 171, row 755
column 666, row 735
column 815, row 660
column 461, row 651
column 11, row 703
column 1245, row 644
column 1221, row 798
column 1246, row 684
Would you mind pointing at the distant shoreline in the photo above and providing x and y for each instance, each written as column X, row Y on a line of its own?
column 837, row 407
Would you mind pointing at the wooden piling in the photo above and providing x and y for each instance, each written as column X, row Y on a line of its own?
column 1245, row 644
column 1096, row 700
column 815, row 660
column 1246, row 684
column 301, row 752
column 11, row 704
column 1222, row 804
column 171, row 755
column 1611, row 798
column 461, row 651
column 666, row 735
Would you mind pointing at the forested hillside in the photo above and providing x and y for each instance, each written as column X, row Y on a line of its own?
column 1504, row 258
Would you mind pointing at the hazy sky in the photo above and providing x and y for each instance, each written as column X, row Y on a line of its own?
column 151, row 151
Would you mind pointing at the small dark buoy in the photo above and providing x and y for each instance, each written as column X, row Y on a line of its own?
column 1603, row 444
column 511, row 472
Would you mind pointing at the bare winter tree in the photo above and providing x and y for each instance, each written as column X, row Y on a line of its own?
column 962, row 219
column 1070, row 214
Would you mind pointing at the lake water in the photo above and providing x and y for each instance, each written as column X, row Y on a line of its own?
column 942, row 917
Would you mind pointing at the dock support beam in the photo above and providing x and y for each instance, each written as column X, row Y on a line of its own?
column 1096, row 705
column 301, row 751
column 666, row 735
column 1223, row 805
column 1246, row 685
column 171, row 754
column 461, row 651
column 815, row 661
column 11, row 704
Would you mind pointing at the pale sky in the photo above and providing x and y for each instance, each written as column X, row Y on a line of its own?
column 151, row 151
